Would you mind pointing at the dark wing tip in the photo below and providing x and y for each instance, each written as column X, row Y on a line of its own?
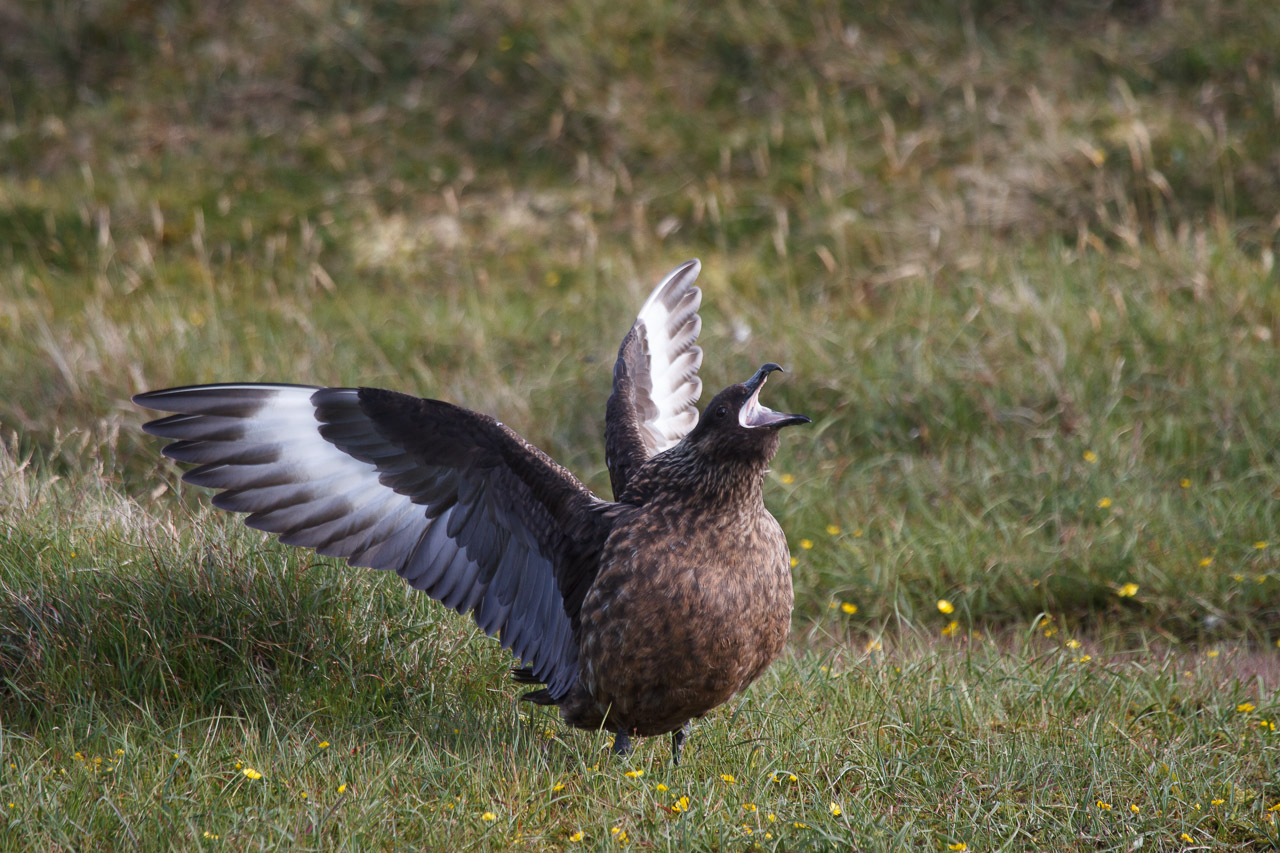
column 198, row 398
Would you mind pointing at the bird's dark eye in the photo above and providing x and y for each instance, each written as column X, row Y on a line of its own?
column 722, row 411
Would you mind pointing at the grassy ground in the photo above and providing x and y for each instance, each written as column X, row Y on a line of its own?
column 1019, row 262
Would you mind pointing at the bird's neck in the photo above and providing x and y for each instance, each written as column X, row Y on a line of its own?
column 681, row 474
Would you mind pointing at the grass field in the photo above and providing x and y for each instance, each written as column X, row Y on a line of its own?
column 1019, row 260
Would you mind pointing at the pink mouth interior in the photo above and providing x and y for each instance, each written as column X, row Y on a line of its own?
column 753, row 414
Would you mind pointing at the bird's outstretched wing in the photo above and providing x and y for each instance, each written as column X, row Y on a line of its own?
column 453, row 501
column 655, row 379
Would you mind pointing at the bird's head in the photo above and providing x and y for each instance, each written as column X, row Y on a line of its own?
column 735, row 425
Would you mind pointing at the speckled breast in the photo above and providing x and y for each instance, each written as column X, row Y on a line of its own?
column 671, row 629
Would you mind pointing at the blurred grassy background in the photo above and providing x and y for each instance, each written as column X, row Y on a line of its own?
column 1019, row 259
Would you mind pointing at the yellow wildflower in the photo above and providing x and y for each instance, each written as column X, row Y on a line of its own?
column 806, row 544
column 251, row 773
column 794, row 562
column 1129, row 590
column 559, row 786
column 728, row 778
column 660, row 787
column 1135, row 808
column 1089, row 456
column 1260, row 546
column 488, row 816
column 324, row 744
column 1206, row 562
column 959, row 845
column 836, row 811
column 1186, row 838
column 577, row 836
column 946, row 607
column 680, row 805
column 787, row 479
column 1106, row 807
column 1245, row 707
column 1216, row 802
column 1073, row 643
column 1104, row 503
column 849, row 608
column 951, row 628
column 1212, row 653
column 833, row 530
column 342, row 789
column 1185, row 483
column 634, row 774
column 750, row 807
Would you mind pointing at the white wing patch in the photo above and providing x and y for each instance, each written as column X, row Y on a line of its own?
column 279, row 468
column 669, row 325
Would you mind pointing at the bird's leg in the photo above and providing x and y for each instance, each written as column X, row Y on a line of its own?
column 621, row 744
column 677, row 744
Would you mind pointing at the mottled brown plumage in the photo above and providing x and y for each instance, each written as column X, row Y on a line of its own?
column 638, row 615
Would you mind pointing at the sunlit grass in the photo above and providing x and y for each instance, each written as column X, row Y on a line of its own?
column 165, row 686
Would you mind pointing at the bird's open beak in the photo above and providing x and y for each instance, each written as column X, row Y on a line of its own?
column 752, row 414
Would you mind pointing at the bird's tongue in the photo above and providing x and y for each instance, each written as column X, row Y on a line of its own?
column 754, row 414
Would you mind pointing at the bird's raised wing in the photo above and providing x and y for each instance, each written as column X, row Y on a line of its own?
column 655, row 379
column 454, row 502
